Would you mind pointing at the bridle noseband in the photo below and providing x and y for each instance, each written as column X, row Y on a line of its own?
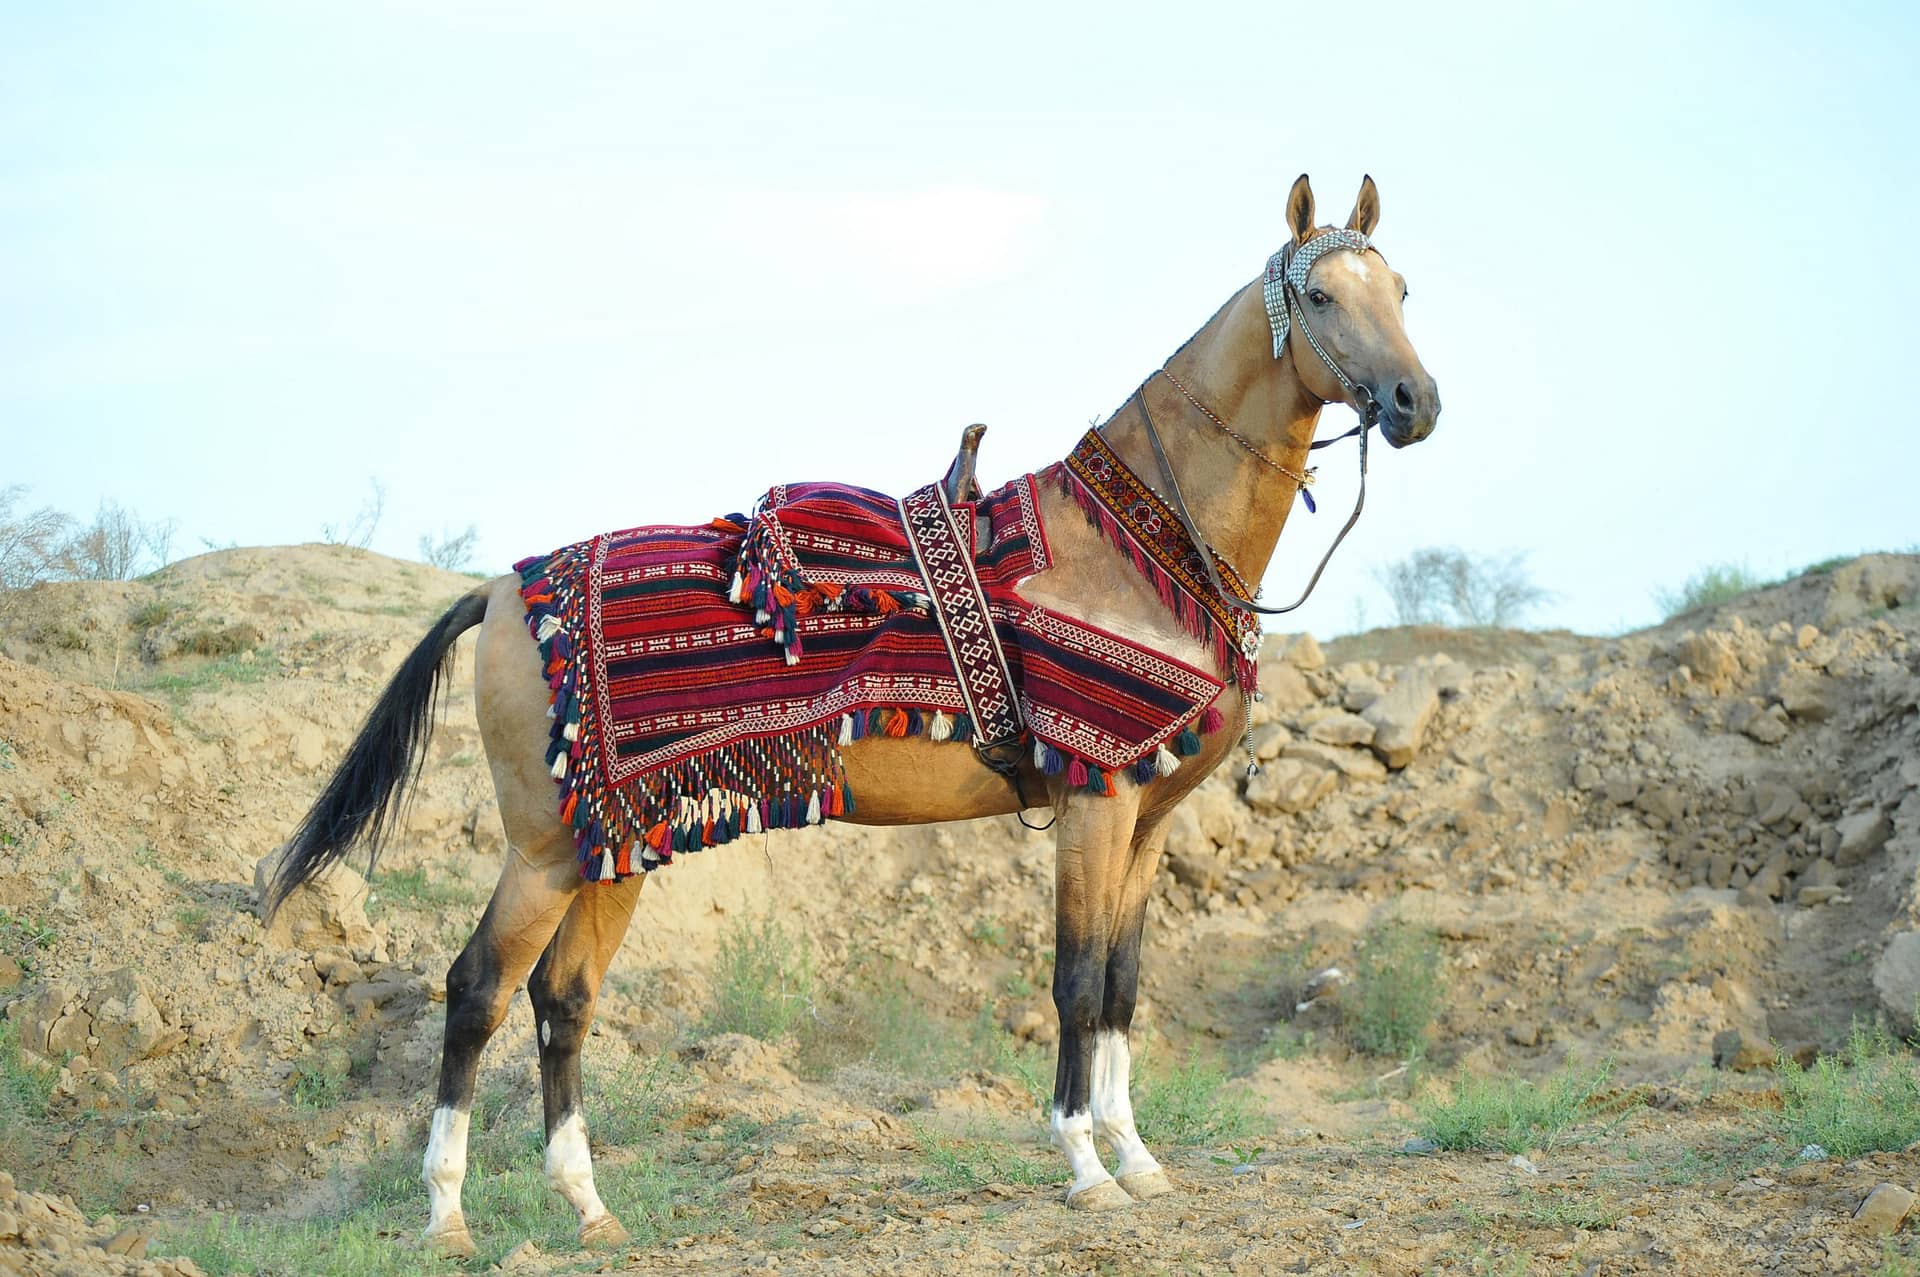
column 1285, row 278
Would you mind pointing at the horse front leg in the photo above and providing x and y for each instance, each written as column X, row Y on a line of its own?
column 1138, row 1173
column 1090, row 857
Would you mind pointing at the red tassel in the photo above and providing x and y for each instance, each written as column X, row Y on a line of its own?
column 1076, row 773
column 1212, row 721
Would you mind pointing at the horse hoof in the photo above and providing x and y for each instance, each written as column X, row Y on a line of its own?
column 1142, row 1185
column 1106, row 1195
column 603, row 1233
column 452, row 1240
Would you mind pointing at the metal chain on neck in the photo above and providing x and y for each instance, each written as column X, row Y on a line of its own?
column 1304, row 480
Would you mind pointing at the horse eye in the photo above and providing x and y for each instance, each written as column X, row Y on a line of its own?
column 1318, row 297
column 1404, row 292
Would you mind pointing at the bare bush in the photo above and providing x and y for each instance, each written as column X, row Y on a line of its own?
column 1451, row 587
column 359, row 532
column 450, row 551
column 30, row 541
column 108, row 549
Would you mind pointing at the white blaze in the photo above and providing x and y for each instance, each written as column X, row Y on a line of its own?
column 1113, row 1106
column 570, row 1168
column 445, row 1166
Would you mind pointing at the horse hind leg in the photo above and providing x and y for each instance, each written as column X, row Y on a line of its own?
column 528, row 903
column 564, row 988
column 1138, row 1172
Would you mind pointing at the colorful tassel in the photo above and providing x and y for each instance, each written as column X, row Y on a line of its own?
column 962, row 728
column 1212, row 720
column 897, row 724
column 942, row 728
column 1187, row 743
column 1076, row 773
column 1143, row 770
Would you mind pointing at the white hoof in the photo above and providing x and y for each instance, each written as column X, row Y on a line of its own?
column 1142, row 1185
column 1105, row 1195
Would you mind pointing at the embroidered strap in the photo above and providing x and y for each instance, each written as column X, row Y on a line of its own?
column 945, row 559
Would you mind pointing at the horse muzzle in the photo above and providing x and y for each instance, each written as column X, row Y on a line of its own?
column 1408, row 411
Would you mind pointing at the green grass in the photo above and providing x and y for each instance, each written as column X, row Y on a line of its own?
column 1709, row 587
column 1397, row 989
column 762, row 981
column 151, row 614
column 412, row 889
column 254, row 666
column 956, row 1164
column 1513, row 1115
column 26, row 1089
column 322, row 1083
column 1189, row 1104
column 1869, row 1102
column 1570, row 1209
column 649, row 1180
column 24, row 938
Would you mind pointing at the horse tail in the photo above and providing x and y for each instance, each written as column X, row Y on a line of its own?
column 365, row 795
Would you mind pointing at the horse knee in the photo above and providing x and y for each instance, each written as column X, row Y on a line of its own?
column 1077, row 995
column 562, row 1013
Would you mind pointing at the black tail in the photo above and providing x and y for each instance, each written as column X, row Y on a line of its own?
column 360, row 803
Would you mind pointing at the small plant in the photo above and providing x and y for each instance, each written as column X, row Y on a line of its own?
column 1870, row 1103
column 1709, row 587
column 1396, row 989
column 969, row 1163
column 322, row 1084
column 24, row 937
column 1439, row 587
column 990, row 932
column 1190, row 1105
column 413, row 889
column 152, row 614
column 451, row 550
column 762, row 981
column 1515, row 1116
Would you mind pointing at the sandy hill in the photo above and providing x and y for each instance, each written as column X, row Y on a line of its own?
column 1694, row 841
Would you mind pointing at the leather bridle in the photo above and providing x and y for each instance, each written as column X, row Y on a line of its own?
column 1286, row 273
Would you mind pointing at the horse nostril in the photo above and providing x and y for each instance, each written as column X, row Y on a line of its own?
column 1403, row 397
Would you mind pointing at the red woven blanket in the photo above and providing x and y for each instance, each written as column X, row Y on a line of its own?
column 705, row 678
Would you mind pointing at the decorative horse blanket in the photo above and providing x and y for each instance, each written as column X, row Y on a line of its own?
column 706, row 677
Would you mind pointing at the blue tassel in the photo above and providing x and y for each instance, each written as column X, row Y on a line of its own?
column 1096, row 781
column 555, row 747
column 1052, row 763
column 859, row 725
column 1187, row 743
column 914, row 722
column 1144, row 771
column 876, row 720
column 1306, row 494
column 846, row 800
column 962, row 728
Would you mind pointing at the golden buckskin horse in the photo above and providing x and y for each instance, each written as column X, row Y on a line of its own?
column 1239, row 403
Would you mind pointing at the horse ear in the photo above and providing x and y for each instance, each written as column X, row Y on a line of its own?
column 1300, row 210
column 1366, row 208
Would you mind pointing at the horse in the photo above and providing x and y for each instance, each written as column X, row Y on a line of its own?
column 1239, row 402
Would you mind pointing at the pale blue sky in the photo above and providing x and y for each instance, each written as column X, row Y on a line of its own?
column 553, row 269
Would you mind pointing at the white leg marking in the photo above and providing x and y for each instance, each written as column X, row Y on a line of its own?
column 570, row 1168
column 445, row 1167
column 1073, row 1135
column 1113, row 1106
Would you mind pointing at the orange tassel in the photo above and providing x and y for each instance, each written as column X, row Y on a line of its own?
column 623, row 863
column 830, row 589
column 897, row 725
column 782, row 595
column 567, row 809
column 657, row 836
column 884, row 603
column 726, row 525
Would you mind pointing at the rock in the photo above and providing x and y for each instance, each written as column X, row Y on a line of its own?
column 1861, row 834
column 1268, row 740
column 1896, row 978
column 1289, row 785
column 1285, row 688
column 1356, row 764
column 330, row 910
column 1523, row 1033
column 1731, row 1051
column 1027, row 1025
column 1769, row 726
column 1361, row 691
column 1219, row 812
column 1342, row 728
column 1304, row 653
column 1710, row 656
column 1806, row 697
column 54, row 1022
column 1884, row 1209
column 1197, row 865
column 1585, row 776
column 308, row 747
column 127, row 1026
column 1400, row 717
column 10, row 973
column 1817, row 895
column 1664, row 802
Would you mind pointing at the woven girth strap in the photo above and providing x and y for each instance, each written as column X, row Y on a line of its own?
column 945, row 560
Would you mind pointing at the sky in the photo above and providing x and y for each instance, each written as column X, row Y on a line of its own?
column 555, row 269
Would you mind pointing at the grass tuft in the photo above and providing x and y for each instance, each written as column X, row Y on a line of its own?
column 1397, row 989
column 1869, row 1103
column 412, row 889
column 1513, row 1115
column 967, row 1163
column 1709, row 587
column 762, row 981
column 1190, row 1105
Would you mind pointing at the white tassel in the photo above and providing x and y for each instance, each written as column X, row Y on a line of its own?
column 1039, row 754
column 549, row 626
column 760, row 617
column 942, row 728
column 1166, row 762
column 737, row 592
column 607, row 873
column 846, row 729
column 793, row 657
column 813, row 808
column 571, row 731
column 560, row 767
column 753, row 818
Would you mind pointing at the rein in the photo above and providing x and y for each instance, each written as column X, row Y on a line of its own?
column 1286, row 275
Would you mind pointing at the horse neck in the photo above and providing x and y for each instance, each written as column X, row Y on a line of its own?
column 1239, row 503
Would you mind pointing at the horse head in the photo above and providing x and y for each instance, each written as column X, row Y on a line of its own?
column 1338, row 289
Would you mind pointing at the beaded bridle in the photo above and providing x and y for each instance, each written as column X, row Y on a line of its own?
column 1286, row 278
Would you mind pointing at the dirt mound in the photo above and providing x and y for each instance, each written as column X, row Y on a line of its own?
column 1627, row 848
